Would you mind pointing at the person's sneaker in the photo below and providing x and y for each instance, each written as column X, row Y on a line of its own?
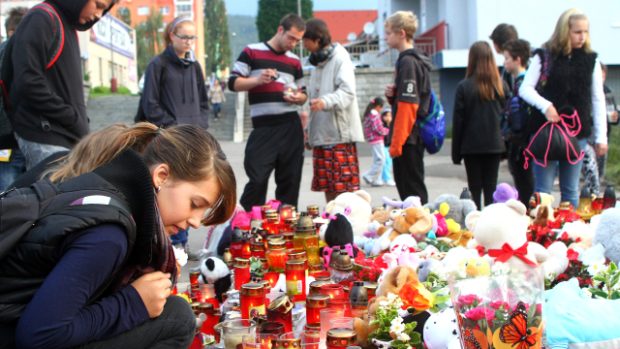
column 367, row 180
column 376, row 184
column 390, row 183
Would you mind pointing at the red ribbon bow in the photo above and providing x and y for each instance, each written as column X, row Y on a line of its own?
column 503, row 254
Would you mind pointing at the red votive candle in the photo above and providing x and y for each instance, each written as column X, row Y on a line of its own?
column 242, row 272
column 252, row 297
column 314, row 304
column 296, row 280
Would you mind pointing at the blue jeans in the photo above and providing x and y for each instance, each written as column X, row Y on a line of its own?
column 386, row 173
column 569, row 177
column 9, row 171
column 36, row 152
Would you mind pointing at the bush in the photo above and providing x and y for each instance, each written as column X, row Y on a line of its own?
column 100, row 90
column 612, row 172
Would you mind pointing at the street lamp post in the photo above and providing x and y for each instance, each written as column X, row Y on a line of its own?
column 113, row 81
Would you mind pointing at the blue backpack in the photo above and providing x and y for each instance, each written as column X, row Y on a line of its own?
column 433, row 125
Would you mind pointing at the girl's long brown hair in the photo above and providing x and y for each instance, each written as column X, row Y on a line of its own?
column 191, row 152
column 481, row 66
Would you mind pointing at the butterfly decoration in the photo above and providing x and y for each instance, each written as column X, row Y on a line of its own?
column 516, row 332
column 474, row 339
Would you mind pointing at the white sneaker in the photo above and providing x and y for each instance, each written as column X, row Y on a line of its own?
column 390, row 183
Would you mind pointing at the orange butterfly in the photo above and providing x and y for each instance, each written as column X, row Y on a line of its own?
column 515, row 332
column 474, row 339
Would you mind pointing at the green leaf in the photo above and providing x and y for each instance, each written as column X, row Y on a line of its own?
column 598, row 293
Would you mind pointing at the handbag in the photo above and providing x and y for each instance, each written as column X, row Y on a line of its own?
column 555, row 141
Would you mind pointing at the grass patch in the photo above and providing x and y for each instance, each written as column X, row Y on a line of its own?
column 105, row 91
column 612, row 172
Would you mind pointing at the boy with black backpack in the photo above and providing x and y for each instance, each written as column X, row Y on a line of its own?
column 410, row 98
column 516, row 58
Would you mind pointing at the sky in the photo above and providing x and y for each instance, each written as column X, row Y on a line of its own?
column 250, row 7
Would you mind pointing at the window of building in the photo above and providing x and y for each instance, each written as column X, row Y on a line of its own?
column 144, row 11
column 184, row 9
column 165, row 10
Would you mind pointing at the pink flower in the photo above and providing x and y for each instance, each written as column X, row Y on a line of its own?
column 468, row 299
column 499, row 305
column 480, row 313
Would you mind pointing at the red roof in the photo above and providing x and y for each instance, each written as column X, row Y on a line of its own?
column 341, row 23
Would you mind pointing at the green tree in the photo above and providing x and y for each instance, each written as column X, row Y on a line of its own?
column 149, row 38
column 217, row 41
column 125, row 15
column 271, row 11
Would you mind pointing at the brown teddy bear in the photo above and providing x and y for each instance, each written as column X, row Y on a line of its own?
column 416, row 221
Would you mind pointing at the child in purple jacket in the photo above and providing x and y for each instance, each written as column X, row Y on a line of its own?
column 374, row 131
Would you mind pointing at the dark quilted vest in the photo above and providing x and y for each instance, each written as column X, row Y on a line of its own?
column 25, row 267
column 570, row 86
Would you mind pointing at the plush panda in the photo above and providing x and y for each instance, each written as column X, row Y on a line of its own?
column 215, row 272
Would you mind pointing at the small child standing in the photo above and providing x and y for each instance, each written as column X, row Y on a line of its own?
column 386, row 173
column 374, row 131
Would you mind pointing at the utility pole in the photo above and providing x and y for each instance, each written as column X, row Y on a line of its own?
column 301, row 45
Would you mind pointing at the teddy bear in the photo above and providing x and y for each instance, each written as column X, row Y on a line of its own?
column 606, row 231
column 355, row 206
column 379, row 220
column 413, row 220
column 538, row 200
column 215, row 272
column 338, row 236
column 502, row 230
column 459, row 208
column 441, row 330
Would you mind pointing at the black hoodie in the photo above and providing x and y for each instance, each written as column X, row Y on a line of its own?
column 48, row 105
column 174, row 91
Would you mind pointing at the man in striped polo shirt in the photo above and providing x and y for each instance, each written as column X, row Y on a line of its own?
column 271, row 73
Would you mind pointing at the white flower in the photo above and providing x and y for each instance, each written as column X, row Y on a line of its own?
column 596, row 268
column 397, row 327
column 403, row 337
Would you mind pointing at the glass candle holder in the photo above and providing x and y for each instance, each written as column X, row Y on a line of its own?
column 311, row 339
column 241, row 272
column 371, row 289
column 271, row 327
column 340, row 303
column 257, row 248
column 193, row 277
column 341, row 322
column 313, row 210
column 251, row 342
column 252, row 297
column 281, row 310
column 272, row 277
column 287, row 343
column 334, row 291
column 276, row 255
column 340, row 338
column 314, row 304
column 296, row 280
column 327, row 315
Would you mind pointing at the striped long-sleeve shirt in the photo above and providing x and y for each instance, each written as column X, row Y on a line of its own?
column 268, row 99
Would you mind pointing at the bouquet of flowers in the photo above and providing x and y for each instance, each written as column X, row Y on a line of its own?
column 503, row 310
column 389, row 325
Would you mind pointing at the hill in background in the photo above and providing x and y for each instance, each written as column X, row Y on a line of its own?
column 242, row 31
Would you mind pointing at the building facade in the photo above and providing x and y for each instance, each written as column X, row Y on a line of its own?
column 140, row 10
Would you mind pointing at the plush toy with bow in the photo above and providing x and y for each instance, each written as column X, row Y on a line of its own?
column 502, row 230
column 338, row 236
column 355, row 207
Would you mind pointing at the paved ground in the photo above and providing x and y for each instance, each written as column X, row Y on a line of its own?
column 441, row 175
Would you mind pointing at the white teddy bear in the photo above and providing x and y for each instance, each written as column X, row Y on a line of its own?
column 501, row 228
column 355, row 206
